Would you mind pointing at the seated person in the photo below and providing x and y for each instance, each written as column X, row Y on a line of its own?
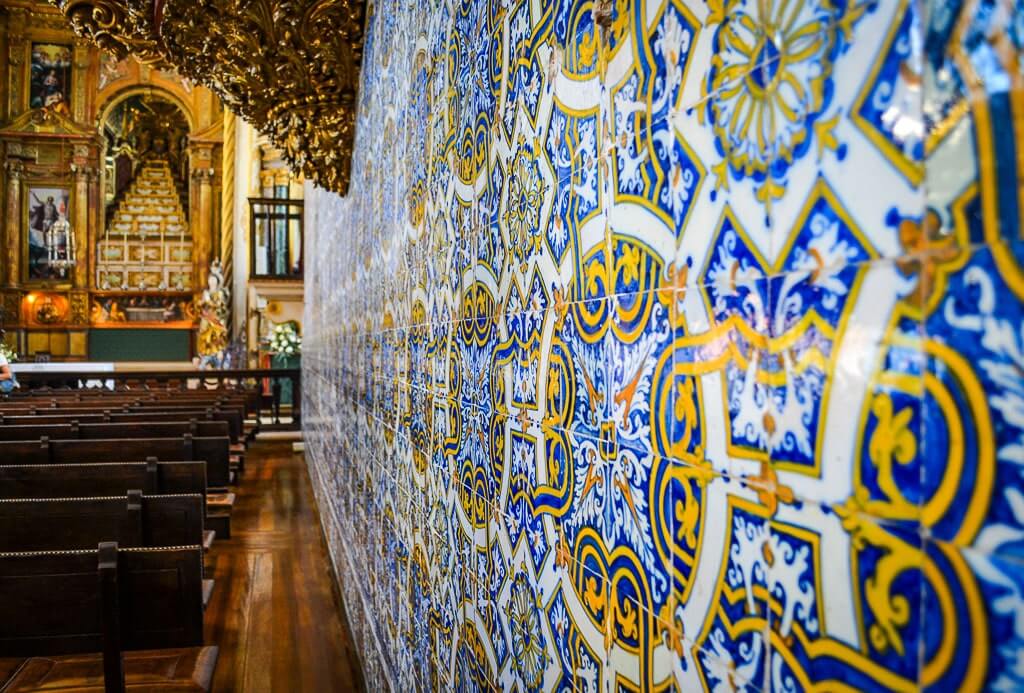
column 7, row 380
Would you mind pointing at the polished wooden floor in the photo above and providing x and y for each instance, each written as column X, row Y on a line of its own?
column 274, row 614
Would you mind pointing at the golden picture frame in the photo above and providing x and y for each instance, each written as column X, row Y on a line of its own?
column 44, row 204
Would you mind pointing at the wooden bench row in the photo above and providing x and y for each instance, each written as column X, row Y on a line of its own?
column 131, row 520
column 101, row 479
column 247, row 403
column 98, row 554
column 231, row 418
column 215, row 451
column 248, row 394
column 105, row 600
column 109, row 414
column 76, row 430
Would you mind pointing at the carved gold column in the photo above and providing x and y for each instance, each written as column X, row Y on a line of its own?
column 12, row 249
column 99, row 219
column 202, row 183
column 85, row 178
column 201, row 204
column 80, row 224
column 227, row 202
column 202, row 236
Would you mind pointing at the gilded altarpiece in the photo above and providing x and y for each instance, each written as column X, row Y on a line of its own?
column 57, row 96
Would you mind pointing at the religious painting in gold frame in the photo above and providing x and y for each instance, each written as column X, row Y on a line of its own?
column 46, row 204
column 49, row 77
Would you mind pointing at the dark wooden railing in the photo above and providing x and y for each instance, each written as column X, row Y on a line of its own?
column 142, row 381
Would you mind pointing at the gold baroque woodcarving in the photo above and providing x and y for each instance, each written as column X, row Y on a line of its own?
column 289, row 67
column 114, row 26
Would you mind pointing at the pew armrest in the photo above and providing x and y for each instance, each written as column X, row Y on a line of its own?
column 207, row 592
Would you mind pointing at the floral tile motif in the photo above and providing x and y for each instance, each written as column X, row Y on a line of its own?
column 980, row 593
column 731, row 648
column 770, row 84
column 675, row 345
column 579, row 668
column 736, row 293
column 532, row 660
column 874, row 623
column 520, row 520
column 974, row 392
column 653, row 165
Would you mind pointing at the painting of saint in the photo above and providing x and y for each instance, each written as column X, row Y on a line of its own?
column 50, row 79
column 48, row 231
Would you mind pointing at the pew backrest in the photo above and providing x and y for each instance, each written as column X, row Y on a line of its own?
column 54, row 603
column 101, row 479
column 131, row 520
column 214, row 451
column 230, row 417
column 88, row 431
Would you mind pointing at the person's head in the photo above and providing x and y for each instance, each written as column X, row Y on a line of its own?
column 49, row 200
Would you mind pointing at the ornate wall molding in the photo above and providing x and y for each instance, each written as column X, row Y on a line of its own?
column 288, row 67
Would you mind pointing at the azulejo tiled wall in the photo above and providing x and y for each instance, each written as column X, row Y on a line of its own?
column 678, row 343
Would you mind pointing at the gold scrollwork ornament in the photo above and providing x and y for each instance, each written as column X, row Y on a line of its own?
column 116, row 27
column 289, row 67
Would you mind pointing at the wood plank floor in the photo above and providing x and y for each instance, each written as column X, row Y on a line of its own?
column 274, row 614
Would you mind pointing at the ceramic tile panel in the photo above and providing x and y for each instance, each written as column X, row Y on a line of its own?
column 675, row 345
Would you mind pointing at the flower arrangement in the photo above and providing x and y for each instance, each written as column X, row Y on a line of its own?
column 8, row 352
column 285, row 339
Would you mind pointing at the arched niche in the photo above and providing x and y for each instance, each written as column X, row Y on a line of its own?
column 118, row 97
column 145, row 244
column 139, row 124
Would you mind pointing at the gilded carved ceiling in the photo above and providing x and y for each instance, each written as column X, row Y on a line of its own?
column 289, row 67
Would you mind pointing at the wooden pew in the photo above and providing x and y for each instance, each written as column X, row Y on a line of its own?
column 131, row 520
column 101, row 479
column 95, row 393
column 243, row 402
column 231, row 417
column 248, row 398
column 115, row 478
column 91, row 431
column 241, row 427
column 247, row 384
column 105, row 601
column 32, row 406
column 121, row 400
column 149, row 429
column 133, row 390
column 214, row 451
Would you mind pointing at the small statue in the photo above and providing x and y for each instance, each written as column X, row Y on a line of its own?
column 214, row 307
